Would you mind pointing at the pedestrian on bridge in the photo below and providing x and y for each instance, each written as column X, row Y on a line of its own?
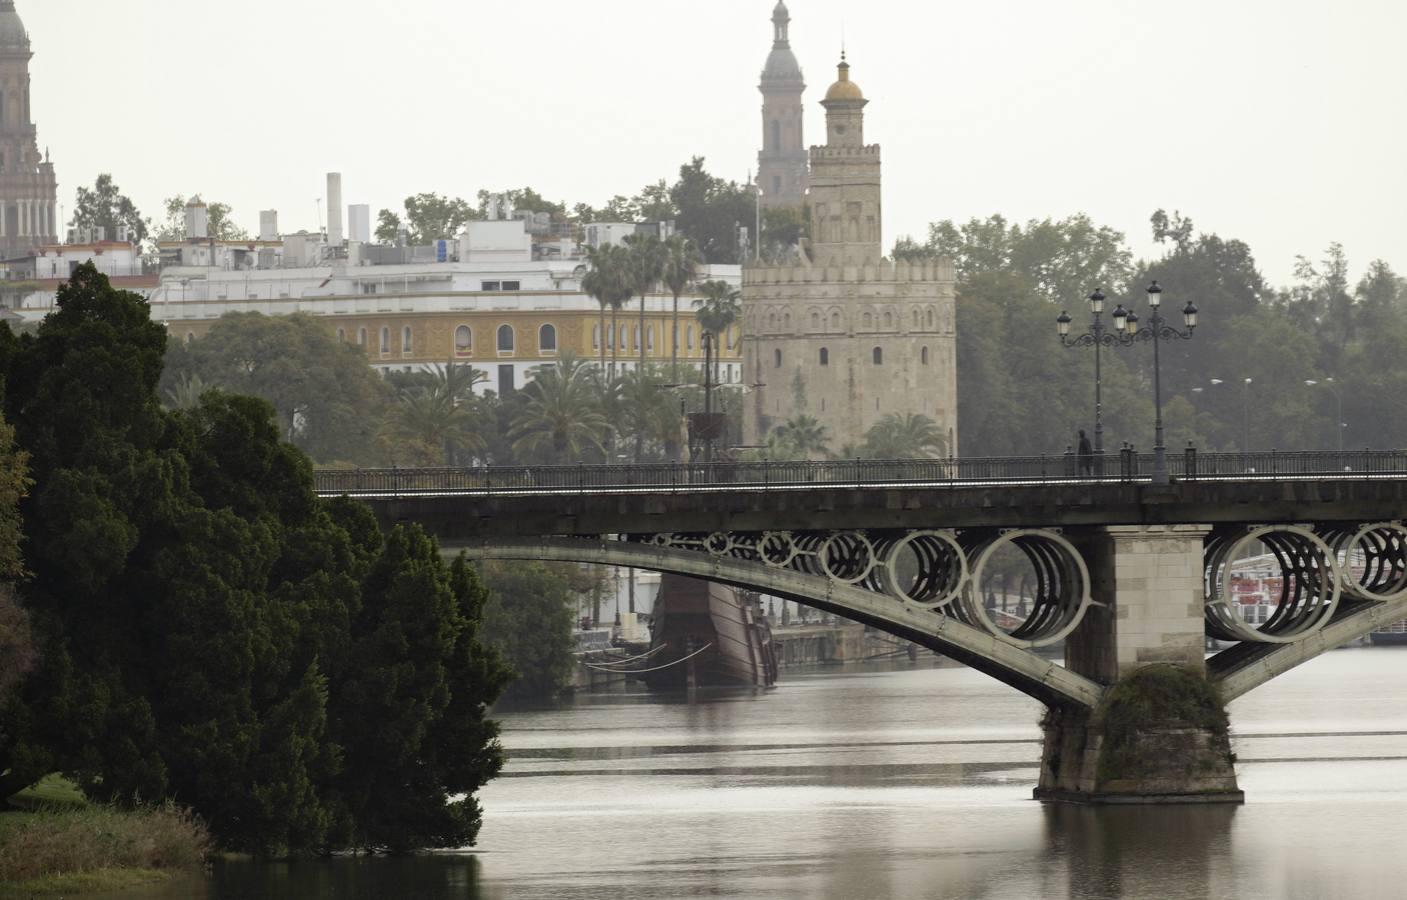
column 1086, row 456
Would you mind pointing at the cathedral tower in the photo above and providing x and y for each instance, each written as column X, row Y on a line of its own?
column 842, row 334
column 781, row 166
column 28, row 191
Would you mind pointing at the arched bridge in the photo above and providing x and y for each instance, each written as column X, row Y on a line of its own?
column 1126, row 573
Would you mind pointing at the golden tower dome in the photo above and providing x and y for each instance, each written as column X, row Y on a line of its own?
column 844, row 88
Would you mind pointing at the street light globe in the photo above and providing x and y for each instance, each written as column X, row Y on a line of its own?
column 1096, row 301
column 1062, row 324
column 1155, row 295
column 1133, row 321
column 1121, row 318
column 1189, row 314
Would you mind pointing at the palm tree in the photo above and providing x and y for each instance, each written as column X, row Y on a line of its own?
column 650, row 411
column 433, row 426
column 906, row 436
column 647, row 259
column 805, row 437
column 560, row 416
column 681, row 268
column 717, row 311
column 608, row 283
column 185, row 394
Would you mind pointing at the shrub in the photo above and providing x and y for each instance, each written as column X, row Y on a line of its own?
column 59, row 841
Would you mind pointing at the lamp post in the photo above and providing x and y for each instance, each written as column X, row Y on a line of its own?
column 1096, row 337
column 1157, row 331
column 1340, row 424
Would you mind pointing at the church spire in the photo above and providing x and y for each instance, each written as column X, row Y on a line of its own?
column 781, row 22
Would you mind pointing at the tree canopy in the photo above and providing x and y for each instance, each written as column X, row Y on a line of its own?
column 209, row 630
column 105, row 206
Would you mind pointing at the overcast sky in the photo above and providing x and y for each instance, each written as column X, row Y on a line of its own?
column 1279, row 122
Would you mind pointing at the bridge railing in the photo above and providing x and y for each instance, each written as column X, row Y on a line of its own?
column 1118, row 466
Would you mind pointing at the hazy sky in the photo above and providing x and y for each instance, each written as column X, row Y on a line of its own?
column 1279, row 122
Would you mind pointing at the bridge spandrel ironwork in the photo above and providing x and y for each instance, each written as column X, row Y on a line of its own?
column 904, row 545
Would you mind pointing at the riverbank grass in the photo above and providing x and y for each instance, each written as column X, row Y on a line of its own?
column 53, row 842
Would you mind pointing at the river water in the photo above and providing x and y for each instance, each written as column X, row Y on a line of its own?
column 908, row 781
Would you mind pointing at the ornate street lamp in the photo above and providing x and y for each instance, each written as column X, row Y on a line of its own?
column 1096, row 337
column 1126, row 327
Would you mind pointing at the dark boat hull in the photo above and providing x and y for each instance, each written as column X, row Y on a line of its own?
column 712, row 631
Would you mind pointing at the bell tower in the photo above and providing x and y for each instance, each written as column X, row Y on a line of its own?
column 846, row 214
column 28, row 190
column 782, row 164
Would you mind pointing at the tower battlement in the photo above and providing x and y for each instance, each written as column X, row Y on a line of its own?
column 884, row 270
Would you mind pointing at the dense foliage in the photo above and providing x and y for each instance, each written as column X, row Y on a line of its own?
column 211, row 631
column 529, row 618
column 1243, row 381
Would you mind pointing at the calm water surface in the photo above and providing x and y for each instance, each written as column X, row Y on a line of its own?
column 905, row 783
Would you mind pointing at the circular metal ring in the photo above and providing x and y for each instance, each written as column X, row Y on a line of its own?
column 776, row 548
column 941, row 574
column 1062, row 586
column 847, row 557
column 718, row 543
column 1309, row 584
column 1372, row 559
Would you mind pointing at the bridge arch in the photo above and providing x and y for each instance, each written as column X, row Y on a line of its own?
column 1028, row 672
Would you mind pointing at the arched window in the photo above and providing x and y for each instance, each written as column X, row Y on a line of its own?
column 624, row 329
column 929, row 316
column 689, row 336
column 815, row 321
column 777, row 358
column 650, row 337
column 786, row 321
column 361, row 337
column 776, row 134
column 825, row 356
column 505, row 339
column 835, row 321
column 595, row 337
column 923, row 356
column 917, row 323
column 547, row 339
column 463, row 341
column 771, row 321
column 635, row 338
column 190, row 337
column 867, row 321
column 888, row 319
column 878, row 356
column 405, row 339
column 730, row 339
column 385, row 340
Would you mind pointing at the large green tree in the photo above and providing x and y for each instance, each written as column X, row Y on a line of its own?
column 528, row 619
column 104, row 205
column 329, row 401
column 427, row 217
column 209, row 630
column 710, row 211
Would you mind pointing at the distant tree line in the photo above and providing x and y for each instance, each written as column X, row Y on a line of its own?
column 1242, row 381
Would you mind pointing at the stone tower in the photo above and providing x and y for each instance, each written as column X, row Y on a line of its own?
column 28, row 191
column 781, row 165
column 843, row 334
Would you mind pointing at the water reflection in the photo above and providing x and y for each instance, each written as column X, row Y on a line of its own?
column 1117, row 852
column 911, row 783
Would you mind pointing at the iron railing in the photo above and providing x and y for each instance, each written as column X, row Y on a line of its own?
column 1120, row 466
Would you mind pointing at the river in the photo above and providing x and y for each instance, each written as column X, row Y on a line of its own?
column 908, row 781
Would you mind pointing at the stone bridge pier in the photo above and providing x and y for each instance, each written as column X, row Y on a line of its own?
column 1139, row 744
